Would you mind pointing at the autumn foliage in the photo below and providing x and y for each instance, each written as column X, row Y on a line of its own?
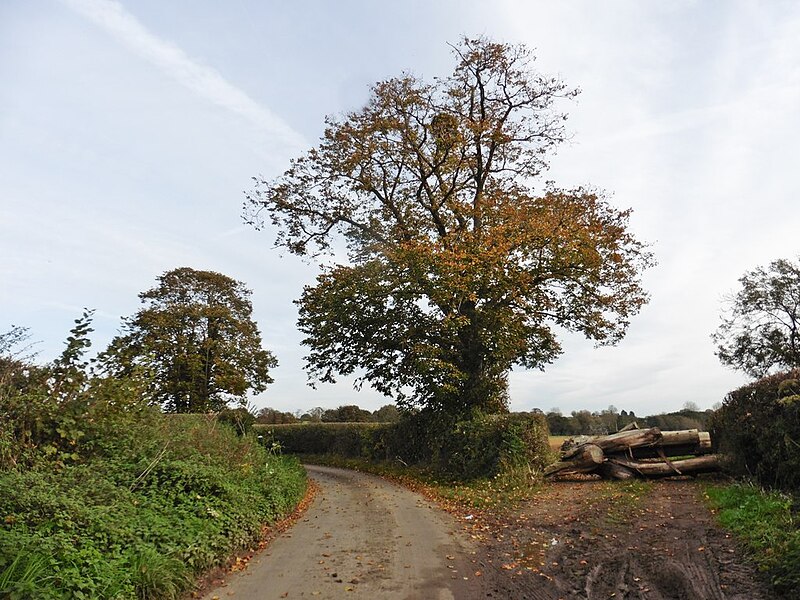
column 194, row 343
column 460, row 263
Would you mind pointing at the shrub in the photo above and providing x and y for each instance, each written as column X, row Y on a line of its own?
column 141, row 523
column 483, row 446
column 102, row 496
column 758, row 428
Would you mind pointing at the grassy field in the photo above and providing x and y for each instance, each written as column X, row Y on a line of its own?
column 556, row 441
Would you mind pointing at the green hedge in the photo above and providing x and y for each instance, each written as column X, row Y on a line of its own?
column 343, row 439
column 758, row 428
column 483, row 446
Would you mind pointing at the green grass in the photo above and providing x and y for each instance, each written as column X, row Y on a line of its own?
column 175, row 498
column 768, row 525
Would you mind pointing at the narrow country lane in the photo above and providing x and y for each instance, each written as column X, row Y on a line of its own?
column 362, row 537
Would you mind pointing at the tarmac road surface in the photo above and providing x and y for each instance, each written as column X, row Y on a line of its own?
column 362, row 537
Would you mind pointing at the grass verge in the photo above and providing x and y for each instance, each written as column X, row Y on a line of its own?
column 767, row 524
column 177, row 497
column 498, row 493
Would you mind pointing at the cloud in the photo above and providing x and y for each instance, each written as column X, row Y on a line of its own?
column 205, row 81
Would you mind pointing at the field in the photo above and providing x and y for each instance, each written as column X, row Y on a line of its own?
column 556, row 441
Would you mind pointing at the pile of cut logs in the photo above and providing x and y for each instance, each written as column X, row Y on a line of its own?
column 634, row 452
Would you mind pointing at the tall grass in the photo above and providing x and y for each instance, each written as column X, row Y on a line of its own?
column 767, row 523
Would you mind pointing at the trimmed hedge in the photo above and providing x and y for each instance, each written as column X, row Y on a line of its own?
column 483, row 446
column 343, row 439
column 758, row 427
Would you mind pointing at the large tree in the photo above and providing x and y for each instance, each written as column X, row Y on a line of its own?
column 195, row 341
column 760, row 330
column 458, row 266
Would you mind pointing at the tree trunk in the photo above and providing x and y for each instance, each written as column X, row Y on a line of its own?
column 586, row 459
column 690, row 466
column 687, row 436
column 657, row 451
column 618, row 442
column 612, row 470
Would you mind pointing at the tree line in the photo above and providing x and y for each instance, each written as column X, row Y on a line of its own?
column 579, row 422
column 350, row 413
column 611, row 420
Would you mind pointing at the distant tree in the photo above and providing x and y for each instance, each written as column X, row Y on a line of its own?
column 559, row 424
column 690, row 406
column 314, row 415
column 458, row 267
column 270, row 416
column 587, row 423
column 195, row 342
column 610, row 418
column 386, row 414
column 347, row 414
column 760, row 331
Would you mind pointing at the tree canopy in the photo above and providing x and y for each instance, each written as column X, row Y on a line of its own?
column 195, row 341
column 760, row 330
column 457, row 268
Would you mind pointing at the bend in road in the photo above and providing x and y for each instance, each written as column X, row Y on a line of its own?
column 362, row 537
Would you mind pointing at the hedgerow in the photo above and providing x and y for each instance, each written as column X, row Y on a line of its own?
column 105, row 497
column 482, row 446
column 758, row 429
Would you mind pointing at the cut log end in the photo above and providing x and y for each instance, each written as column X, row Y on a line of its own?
column 586, row 459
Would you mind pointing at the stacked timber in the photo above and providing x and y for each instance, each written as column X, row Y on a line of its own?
column 634, row 452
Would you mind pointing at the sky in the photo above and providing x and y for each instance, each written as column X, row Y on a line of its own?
column 129, row 132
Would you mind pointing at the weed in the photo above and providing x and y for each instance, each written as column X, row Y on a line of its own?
column 155, row 576
column 142, row 522
column 23, row 577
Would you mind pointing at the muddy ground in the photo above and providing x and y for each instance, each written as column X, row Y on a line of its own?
column 595, row 539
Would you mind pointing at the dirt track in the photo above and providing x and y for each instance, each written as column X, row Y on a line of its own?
column 595, row 539
column 362, row 537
